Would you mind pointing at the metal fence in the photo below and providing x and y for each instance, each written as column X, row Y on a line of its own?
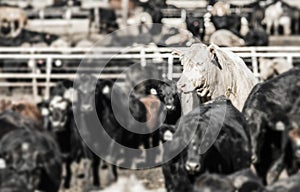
column 45, row 78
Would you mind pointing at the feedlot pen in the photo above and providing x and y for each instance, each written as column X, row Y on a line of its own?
column 33, row 71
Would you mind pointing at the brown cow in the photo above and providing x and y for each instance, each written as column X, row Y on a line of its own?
column 152, row 105
column 25, row 108
column 212, row 72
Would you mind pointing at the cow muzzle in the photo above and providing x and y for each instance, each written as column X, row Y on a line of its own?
column 192, row 167
column 86, row 108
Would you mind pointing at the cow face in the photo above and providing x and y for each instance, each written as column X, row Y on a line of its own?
column 295, row 138
column 197, row 64
column 58, row 108
column 257, row 131
column 86, row 93
column 169, row 94
column 194, row 160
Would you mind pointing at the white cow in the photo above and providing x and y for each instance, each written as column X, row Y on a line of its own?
column 272, row 17
column 226, row 38
column 270, row 67
column 213, row 71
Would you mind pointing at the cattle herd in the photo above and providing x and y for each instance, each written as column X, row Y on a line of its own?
column 240, row 135
column 218, row 128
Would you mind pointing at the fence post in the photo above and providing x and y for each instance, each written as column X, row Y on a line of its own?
column 170, row 66
column 143, row 58
column 254, row 62
column 34, row 81
column 48, row 77
column 290, row 59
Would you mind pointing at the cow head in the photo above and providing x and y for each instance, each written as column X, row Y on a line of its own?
column 295, row 138
column 194, row 160
column 86, row 92
column 199, row 69
column 12, row 21
column 58, row 112
column 168, row 94
column 257, row 131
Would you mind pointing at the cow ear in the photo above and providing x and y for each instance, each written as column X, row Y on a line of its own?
column 212, row 49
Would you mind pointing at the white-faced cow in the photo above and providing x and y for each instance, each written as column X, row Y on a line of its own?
column 213, row 72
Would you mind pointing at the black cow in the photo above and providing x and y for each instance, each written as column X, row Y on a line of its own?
column 62, row 123
column 107, row 18
column 219, row 126
column 229, row 22
column 27, row 36
column 112, row 123
column 196, row 26
column 168, row 94
column 34, row 156
column 270, row 116
column 257, row 37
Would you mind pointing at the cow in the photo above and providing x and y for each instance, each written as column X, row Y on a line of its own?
column 218, row 126
column 272, row 17
column 62, row 124
column 196, row 26
column 114, row 122
column 229, row 22
column 221, row 9
column 270, row 116
column 35, row 156
column 256, row 37
column 107, row 20
column 213, row 71
column 28, row 110
column 271, row 67
column 225, row 38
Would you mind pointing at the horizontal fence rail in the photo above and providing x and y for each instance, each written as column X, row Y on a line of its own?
column 43, row 78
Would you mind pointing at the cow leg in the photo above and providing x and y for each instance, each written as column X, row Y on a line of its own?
column 275, row 171
column 168, row 177
column 276, row 27
column 68, row 173
column 115, row 172
column 269, row 26
column 95, row 169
